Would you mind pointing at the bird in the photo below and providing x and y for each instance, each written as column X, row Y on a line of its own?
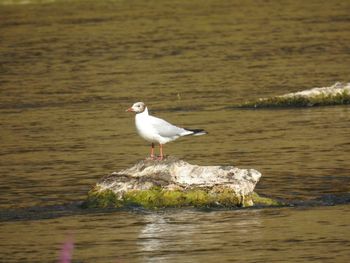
column 156, row 130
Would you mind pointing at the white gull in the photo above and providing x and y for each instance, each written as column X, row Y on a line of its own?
column 156, row 130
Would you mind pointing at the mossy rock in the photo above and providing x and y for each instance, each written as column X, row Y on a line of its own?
column 265, row 201
column 102, row 199
column 299, row 101
column 156, row 198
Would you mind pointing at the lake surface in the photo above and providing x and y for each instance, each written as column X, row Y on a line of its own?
column 68, row 71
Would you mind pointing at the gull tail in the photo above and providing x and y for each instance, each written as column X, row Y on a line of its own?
column 196, row 132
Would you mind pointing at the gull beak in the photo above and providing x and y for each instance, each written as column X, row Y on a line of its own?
column 130, row 110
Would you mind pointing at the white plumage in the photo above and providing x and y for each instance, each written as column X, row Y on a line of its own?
column 156, row 130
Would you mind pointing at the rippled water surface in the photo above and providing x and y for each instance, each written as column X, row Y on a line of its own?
column 68, row 71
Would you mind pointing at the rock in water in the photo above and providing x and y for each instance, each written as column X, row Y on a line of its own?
column 337, row 89
column 175, row 183
column 337, row 94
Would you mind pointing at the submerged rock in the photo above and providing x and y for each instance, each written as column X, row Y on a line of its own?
column 175, row 183
column 338, row 94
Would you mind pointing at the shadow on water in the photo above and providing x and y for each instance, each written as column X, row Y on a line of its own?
column 52, row 211
column 77, row 208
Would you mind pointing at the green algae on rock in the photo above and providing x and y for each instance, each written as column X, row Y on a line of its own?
column 337, row 94
column 265, row 201
column 157, row 198
column 176, row 183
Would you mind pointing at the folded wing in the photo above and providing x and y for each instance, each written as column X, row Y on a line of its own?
column 166, row 129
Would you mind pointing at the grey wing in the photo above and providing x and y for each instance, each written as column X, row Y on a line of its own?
column 166, row 129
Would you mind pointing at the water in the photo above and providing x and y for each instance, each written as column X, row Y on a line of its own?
column 68, row 71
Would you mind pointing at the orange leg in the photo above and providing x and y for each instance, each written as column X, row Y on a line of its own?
column 161, row 152
column 152, row 151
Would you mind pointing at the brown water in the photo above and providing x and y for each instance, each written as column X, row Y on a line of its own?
column 68, row 71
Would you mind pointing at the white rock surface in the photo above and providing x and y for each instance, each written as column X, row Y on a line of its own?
column 173, row 173
column 335, row 89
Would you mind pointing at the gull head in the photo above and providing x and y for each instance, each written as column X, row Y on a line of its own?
column 138, row 107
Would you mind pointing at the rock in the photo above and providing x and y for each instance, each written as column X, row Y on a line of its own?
column 336, row 89
column 337, row 94
column 175, row 183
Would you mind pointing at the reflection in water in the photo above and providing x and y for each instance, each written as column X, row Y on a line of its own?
column 151, row 236
column 245, row 235
column 171, row 235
